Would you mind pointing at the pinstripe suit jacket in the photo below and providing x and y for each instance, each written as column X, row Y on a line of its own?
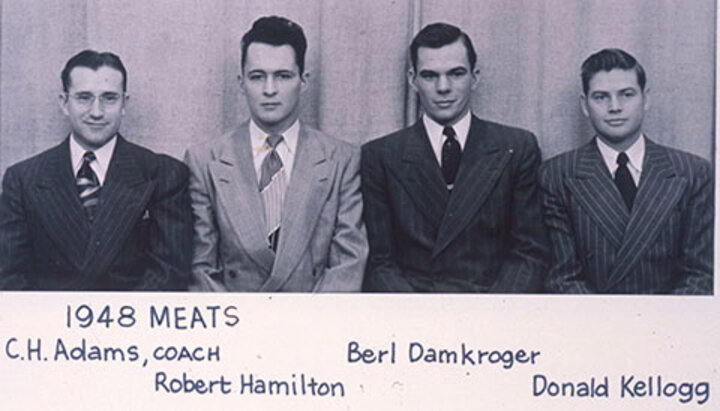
column 663, row 246
column 323, row 245
column 483, row 237
column 140, row 239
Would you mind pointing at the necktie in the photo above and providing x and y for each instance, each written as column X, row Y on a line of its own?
column 624, row 181
column 450, row 156
column 272, row 189
column 88, row 185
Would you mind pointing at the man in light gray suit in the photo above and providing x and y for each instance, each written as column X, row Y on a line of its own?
column 277, row 204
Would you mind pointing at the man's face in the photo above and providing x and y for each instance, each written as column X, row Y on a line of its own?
column 272, row 84
column 94, row 104
column 616, row 106
column 444, row 81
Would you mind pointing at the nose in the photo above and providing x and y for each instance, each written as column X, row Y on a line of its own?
column 614, row 105
column 96, row 109
column 270, row 87
column 442, row 86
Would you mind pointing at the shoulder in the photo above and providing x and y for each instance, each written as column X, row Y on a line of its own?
column 333, row 146
column 686, row 164
column 33, row 166
column 504, row 135
column 157, row 166
column 211, row 148
column 391, row 144
column 562, row 165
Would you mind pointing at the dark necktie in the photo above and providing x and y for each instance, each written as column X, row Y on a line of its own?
column 624, row 181
column 450, row 156
column 88, row 185
column 272, row 189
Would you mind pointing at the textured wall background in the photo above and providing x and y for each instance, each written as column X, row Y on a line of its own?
column 183, row 57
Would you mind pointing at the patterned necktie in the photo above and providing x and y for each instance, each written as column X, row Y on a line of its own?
column 624, row 181
column 88, row 185
column 272, row 188
column 450, row 157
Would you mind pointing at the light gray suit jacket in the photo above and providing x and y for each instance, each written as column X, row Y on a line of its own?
column 323, row 244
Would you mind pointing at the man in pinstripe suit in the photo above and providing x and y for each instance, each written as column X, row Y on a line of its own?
column 451, row 202
column 626, row 215
column 95, row 212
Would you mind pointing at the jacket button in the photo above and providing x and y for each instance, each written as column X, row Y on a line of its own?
column 232, row 274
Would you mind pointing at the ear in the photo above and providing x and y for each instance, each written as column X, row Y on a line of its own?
column 241, row 80
column 646, row 98
column 411, row 75
column 583, row 105
column 126, row 98
column 304, row 81
column 63, row 102
column 475, row 73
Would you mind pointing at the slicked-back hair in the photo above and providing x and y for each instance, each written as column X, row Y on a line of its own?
column 607, row 60
column 437, row 35
column 93, row 60
column 276, row 31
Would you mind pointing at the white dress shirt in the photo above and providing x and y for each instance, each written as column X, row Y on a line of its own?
column 437, row 138
column 103, row 155
column 286, row 148
column 635, row 153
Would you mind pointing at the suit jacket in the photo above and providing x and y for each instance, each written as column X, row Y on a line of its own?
column 663, row 246
column 483, row 237
column 323, row 245
column 140, row 239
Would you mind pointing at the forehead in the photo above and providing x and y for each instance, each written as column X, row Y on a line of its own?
column 270, row 58
column 443, row 58
column 103, row 79
column 613, row 80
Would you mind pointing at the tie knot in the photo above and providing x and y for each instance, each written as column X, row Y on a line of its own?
column 622, row 159
column 449, row 132
column 88, row 157
column 273, row 140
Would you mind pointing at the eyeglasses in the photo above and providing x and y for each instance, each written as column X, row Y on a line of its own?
column 85, row 100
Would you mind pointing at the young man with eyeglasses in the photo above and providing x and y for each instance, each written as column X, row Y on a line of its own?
column 95, row 212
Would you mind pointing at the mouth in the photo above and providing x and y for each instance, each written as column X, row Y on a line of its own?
column 270, row 106
column 617, row 122
column 95, row 126
column 444, row 103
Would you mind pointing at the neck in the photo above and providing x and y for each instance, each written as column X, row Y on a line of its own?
column 623, row 145
column 277, row 128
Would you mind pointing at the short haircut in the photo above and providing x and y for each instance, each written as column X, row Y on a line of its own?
column 607, row 60
column 276, row 31
column 437, row 35
column 94, row 60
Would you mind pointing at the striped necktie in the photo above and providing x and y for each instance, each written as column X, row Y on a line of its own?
column 273, row 182
column 88, row 185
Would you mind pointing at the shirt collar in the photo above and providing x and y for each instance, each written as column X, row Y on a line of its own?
column 103, row 155
column 635, row 153
column 435, row 130
column 258, row 136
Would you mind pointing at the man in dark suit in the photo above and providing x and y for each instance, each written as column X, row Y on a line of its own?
column 95, row 212
column 626, row 215
column 451, row 202
column 277, row 204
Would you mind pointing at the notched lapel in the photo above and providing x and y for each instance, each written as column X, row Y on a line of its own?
column 482, row 163
column 239, row 197
column 307, row 192
column 593, row 187
column 659, row 191
column 421, row 176
column 60, row 210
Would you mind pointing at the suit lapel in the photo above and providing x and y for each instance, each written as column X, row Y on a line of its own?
column 658, row 192
column 420, row 174
column 306, row 193
column 63, row 215
column 123, row 199
column 481, row 165
column 237, row 189
column 597, row 194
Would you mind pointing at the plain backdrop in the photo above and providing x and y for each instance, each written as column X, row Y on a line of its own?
column 183, row 58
